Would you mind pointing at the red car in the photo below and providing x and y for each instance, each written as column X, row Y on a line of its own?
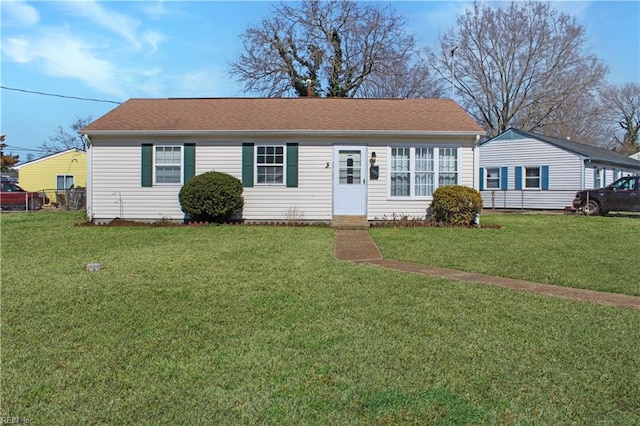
column 14, row 197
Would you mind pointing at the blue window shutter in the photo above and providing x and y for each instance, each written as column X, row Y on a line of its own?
column 247, row 165
column 518, row 178
column 504, row 178
column 604, row 177
column 544, row 178
column 189, row 161
column 481, row 178
column 292, row 165
column 147, row 165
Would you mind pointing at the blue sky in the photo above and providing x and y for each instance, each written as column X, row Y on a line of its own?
column 115, row 50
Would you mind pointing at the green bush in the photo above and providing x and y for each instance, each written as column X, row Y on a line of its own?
column 456, row 205
column 212, row 196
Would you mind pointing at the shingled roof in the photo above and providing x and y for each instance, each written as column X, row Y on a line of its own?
column 592, row 152
column 285, row 114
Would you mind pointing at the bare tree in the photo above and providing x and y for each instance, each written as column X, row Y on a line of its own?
column 332, row 48
column 519, row 65
column 623, row 111
column 579, row 118
column 63, row 140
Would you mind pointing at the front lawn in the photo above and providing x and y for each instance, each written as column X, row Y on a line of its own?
column 594, row 253
column 246, row 325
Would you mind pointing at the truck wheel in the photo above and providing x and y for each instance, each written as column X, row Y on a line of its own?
column 591, row 208
column 36, row 204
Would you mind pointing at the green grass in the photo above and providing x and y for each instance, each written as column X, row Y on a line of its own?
column 247, row 325
column 594, row 253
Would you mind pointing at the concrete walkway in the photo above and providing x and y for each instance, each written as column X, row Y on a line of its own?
column 358, row 246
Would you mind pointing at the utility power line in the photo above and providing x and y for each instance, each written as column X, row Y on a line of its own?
column 60, row 96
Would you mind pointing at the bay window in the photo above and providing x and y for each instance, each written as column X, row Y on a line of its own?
column 416, row 171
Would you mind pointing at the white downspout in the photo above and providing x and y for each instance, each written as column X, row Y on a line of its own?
column 476, row 163
column 89, row 199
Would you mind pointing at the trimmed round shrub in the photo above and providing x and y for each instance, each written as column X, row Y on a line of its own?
column 456, row 205
column 212, row 196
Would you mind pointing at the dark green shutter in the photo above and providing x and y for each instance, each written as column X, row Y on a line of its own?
column 247, row 165
column 292, row 165
column 544, row 171
column 147, row 165
column 189, row 161
column 481, row 178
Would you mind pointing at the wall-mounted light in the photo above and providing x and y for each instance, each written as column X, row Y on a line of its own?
column 374, row 171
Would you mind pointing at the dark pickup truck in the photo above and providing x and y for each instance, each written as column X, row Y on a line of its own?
column 622, row 195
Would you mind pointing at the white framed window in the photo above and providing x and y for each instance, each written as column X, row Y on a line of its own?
column 270, row 163
column 448, row 166
column 64, row 182
column 492, row 180
column 425, row 172
column 416, row 171
column 400, row 174
column 597, row 178
column 532, row 177
column 168, row 164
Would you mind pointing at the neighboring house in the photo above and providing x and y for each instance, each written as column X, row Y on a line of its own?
column 301, row 158
column 54, row 173
column 524, row 170
column 636, row 156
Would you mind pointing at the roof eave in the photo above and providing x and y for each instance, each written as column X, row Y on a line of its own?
column 299, row 132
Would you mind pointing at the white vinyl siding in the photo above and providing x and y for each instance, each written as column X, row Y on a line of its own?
column 117, row 192
column 565, row 174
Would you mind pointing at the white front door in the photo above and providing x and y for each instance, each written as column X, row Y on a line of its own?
column 349, row 180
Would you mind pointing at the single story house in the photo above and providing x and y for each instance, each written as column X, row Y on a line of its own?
column 302, row 158
column 525, row 170
column 54, row 173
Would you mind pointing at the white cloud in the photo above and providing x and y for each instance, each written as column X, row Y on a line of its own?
column 19, row 13
column 64, row 55
column 17, row 49
column 112, row 21
column 118, row 23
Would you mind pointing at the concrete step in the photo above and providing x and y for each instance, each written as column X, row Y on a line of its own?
column 349, row 222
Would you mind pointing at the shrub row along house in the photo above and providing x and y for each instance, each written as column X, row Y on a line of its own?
column 298, row 158
column 524, row 170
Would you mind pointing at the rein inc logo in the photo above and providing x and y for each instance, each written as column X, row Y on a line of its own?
column 15, row 420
